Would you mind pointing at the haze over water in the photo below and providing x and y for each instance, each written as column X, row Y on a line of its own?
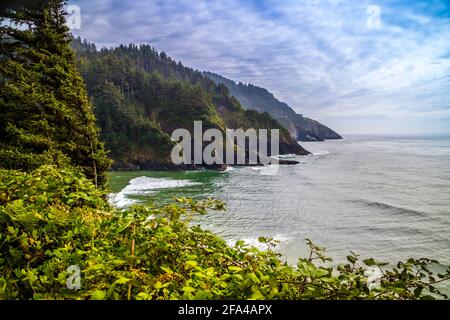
column 380, row 196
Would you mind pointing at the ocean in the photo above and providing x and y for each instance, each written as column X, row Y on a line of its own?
column 386, row 197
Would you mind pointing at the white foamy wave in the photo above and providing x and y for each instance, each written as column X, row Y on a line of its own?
column 120, row 200
column 144, row 185
column 253, row 242
column 265, row 168
column 284, row 156
column 321, row 153
column 229, row 168
column 269, row 170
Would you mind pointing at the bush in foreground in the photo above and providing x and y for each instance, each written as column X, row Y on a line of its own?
column 52, row 219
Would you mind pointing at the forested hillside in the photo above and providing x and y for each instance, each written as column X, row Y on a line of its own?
column 140, row 96
column 257, row 98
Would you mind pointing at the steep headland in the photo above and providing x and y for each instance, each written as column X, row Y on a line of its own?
column 260, row 99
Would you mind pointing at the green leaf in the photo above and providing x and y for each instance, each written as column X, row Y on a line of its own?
column 369, row 262
column 234, row 269
column 143, row 296
column 98, row 295
column 188, row 289
column 122, row 280
column 167, row 270
column 321, row 272
column 191, row 264
column 253, row 277
column 351, row 259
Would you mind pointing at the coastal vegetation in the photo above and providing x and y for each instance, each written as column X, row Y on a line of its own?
column 54, row 215
column 53, row 218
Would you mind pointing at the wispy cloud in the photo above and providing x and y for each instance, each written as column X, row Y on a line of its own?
column 318, row 56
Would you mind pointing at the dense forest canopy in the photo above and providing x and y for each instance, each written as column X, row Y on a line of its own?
column 141, row 95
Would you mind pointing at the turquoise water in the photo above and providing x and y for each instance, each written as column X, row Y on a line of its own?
column 382, row 197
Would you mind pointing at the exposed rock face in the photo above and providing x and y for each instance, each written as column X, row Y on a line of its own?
column 256, row 98
column 312, row 130
column 162, row 166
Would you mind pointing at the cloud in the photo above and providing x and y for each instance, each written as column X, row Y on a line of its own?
column 318, row 56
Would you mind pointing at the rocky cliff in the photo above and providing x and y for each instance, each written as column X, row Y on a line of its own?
column 260, row 99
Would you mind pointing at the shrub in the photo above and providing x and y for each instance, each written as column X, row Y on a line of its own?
column 51, row 219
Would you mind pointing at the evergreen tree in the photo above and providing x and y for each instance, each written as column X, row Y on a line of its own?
column 44, row 109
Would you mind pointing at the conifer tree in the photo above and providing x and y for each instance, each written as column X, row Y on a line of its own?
column 44, row 109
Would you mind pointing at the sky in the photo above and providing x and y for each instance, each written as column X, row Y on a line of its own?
column 357, row 66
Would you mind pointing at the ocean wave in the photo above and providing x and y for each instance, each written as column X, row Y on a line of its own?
column 267, row 170
column 320, row 153
column 284, row 156
column 193, row 171
column 392, row 208
column 120, row 200
column 253, row 242
column 144, row 185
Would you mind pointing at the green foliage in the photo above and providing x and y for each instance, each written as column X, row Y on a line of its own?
column 51, row 219
column 47, row 220
column 45, row 112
